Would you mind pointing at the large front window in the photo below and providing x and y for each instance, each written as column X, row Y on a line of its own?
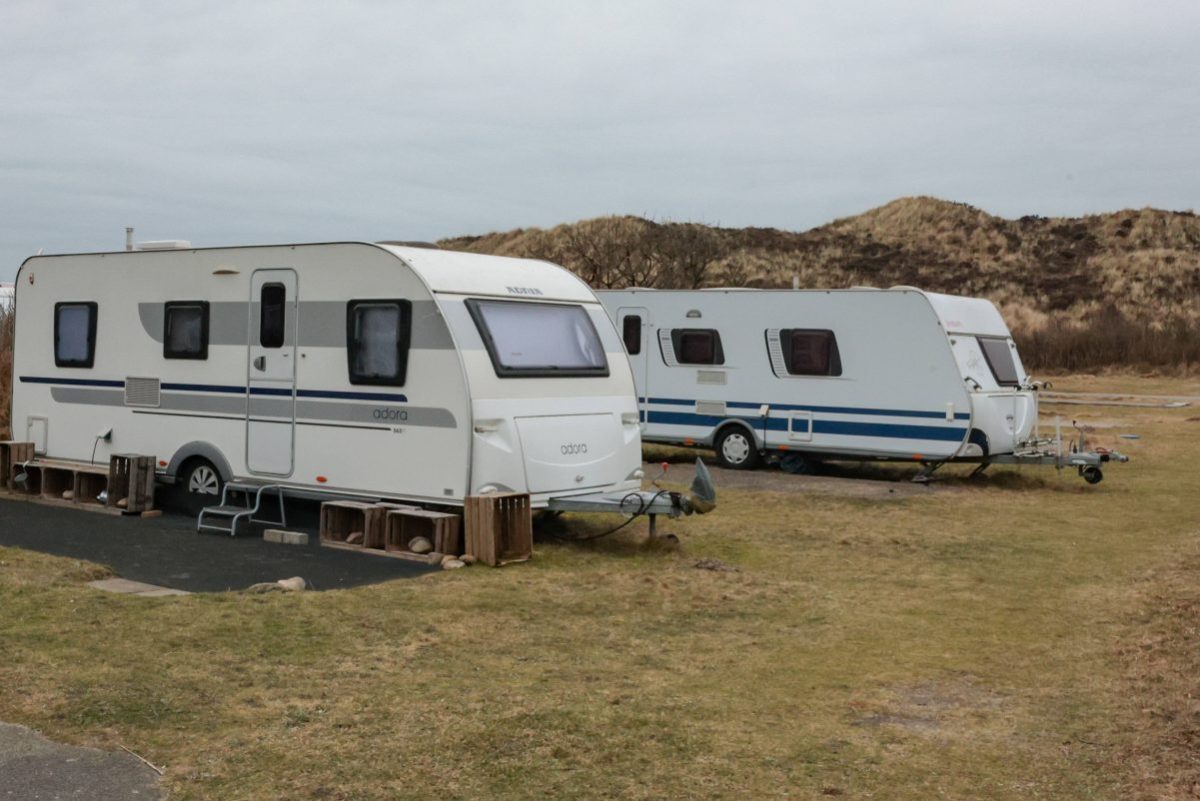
column 539, row 339
column 999, row 355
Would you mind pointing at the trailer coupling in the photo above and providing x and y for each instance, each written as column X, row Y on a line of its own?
column 701, row 497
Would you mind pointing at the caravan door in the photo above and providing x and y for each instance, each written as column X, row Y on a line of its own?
column 634, row 324
column 271, row 373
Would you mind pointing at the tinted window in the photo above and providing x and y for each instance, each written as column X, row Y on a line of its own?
column 74, row 334
column 273, row 309
column 697, row 346
column 810, row 351
column 539, row 339
column 185, row 330
column 631, row 332
column 377, row 339
column 998, row 353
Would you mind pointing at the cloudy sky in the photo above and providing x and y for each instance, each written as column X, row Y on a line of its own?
column 228, row 123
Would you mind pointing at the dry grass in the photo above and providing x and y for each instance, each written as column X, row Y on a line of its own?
column 970, row 641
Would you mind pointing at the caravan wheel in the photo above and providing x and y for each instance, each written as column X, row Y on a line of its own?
column 200, row 478
column 736, row 449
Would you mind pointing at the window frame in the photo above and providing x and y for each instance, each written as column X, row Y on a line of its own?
column 834, row 369
column 1008, row 344
column 637, row 349
column 677, row 335
column 403, row 344
column 262, row 317
column 93, row 315
column 474, row 308
column 168, row 352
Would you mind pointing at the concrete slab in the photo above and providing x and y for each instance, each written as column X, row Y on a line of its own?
column 285, row 537
column 127, row 587
column 32, row 767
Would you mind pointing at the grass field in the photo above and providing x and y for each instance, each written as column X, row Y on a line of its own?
column 1022, row 637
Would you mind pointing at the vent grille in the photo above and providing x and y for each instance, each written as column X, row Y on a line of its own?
column 775, row 351
column 713, row 408
column 716, row 377
column 667, row 347
column 142, row 392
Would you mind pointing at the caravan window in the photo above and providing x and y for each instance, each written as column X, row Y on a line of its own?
column 697, row 346
column 74, row 334
column 998, row 353
column 185, row 330
column 272, row 311
column 810, row 351
column 631, row 332
column 378, row 333
column 539, row 339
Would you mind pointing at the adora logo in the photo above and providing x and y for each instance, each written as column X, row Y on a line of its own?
column 573, row 447
column 523, row 290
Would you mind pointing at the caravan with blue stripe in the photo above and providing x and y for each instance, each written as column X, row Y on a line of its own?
column 800, row 376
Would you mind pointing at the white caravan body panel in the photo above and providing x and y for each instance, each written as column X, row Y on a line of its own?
column 901, row 388
column 288, row 411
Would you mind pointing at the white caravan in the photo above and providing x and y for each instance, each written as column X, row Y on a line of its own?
column 827, row 374
column 359, row 369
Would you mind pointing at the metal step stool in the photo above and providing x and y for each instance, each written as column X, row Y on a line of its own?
column 233, row 513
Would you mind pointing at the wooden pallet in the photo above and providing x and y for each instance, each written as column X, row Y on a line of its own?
column 499, row 528
column 440, row 528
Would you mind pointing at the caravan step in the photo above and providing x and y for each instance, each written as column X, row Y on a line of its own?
column 235, row 514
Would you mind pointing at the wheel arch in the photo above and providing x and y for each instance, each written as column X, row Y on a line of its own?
column 204, row 450
column 738, row 422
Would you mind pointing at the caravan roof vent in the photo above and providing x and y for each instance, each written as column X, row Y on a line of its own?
column 165, row 244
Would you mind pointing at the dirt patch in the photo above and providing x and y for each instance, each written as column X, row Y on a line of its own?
column 930, row 707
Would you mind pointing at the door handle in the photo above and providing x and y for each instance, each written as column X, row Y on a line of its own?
column 260, row 363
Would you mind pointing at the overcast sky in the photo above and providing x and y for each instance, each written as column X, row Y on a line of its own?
column 255, row 122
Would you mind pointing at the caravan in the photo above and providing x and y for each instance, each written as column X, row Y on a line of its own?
column 357, row 369
column 801, row 376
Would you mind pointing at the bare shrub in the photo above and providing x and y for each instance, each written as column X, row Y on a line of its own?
column 7, row 318
column 1111, row 339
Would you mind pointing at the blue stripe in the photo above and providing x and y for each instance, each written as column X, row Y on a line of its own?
column 790, row 407
column 226, row 389
column 837, row 427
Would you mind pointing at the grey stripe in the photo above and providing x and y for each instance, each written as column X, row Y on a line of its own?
column 322, row 324
column 319, row 410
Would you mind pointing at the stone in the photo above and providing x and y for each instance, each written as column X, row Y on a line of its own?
column 420, row 545
column 69, row 495
column 467, row 559
column 293, row 584
column 123, row 503
column 285, row 537
column 354, row 537
column 453, row 564
column 447, row 558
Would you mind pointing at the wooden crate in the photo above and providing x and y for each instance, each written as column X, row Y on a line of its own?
column 131, row 477
column 440, row 528
column 340, row 519
column 57, row 479
column 12, row 455
column 375, row 534
column 499, row 528
column 88, row 486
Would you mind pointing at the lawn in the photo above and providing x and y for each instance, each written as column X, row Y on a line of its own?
column 1025, row 636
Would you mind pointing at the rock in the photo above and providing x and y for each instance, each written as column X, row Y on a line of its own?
column 467, row 559
column 69, row 495
column 265, row 586
column 453, row 564
column 435, row 557
column 447, row 558
column 124, row 502
column 354, row 537
column 293, row 584
column 420, row 545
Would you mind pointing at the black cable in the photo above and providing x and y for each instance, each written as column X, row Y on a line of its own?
column 643, row 505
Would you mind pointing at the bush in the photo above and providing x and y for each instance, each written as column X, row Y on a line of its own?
column 1110, row 339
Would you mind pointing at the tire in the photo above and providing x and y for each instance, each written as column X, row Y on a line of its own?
column 736, row 449
column 201, row 481
column 1092, row 475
